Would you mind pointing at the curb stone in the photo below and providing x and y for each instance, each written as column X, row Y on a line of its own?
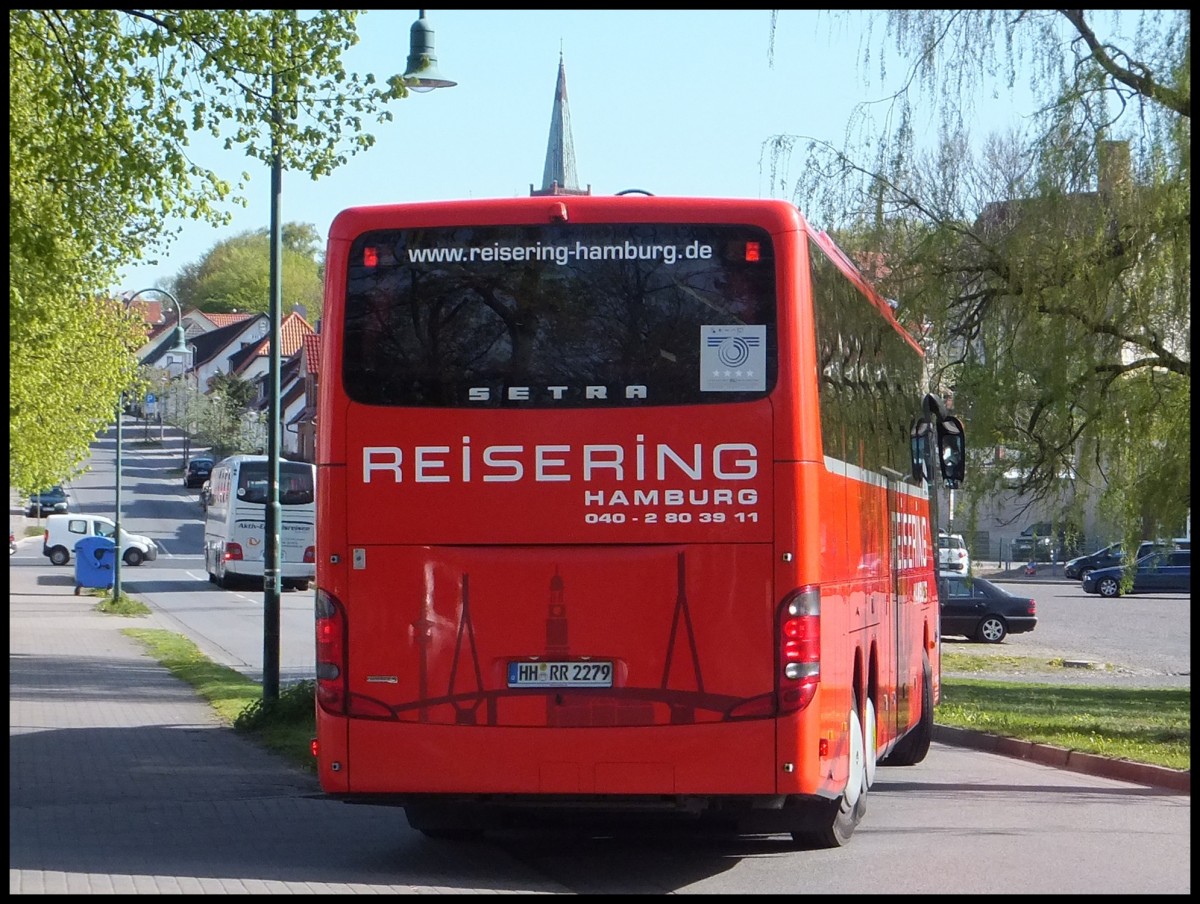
column 1063, row 758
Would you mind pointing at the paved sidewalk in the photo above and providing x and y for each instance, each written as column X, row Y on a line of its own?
column 1045, row 572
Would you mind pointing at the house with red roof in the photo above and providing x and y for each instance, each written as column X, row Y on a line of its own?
column 294, row 332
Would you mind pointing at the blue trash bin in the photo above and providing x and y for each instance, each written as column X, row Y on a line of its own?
column 95, row 562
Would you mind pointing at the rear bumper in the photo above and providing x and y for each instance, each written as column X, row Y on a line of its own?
column 291, row 571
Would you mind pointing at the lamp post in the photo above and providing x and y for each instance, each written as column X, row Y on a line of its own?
column 420, row 75
column 179, row 347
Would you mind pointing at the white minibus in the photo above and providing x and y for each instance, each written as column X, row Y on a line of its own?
column 235, row 521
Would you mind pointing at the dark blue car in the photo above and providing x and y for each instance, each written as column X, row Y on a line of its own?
column 50, row 501
column 1109, row 557
column 1163, row 571
column 198, row 471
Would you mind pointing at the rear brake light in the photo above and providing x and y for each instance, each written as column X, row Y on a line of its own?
column 799, row 657
column 310, row 554
column 331, row 653
column 233, row 551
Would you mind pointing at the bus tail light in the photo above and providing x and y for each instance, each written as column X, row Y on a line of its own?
column 331, row 653
column 799, row 657
column 233, row 551
column 310, row 555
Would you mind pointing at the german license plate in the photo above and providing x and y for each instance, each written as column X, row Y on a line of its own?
column 592, row 673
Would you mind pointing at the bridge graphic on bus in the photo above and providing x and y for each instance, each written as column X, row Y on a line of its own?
column 468, row 700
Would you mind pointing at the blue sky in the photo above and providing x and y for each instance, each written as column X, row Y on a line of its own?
column 672, row 102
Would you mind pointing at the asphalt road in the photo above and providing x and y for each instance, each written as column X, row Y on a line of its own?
column 1142, row 640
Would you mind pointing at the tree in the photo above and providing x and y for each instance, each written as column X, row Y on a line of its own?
column 226, row 416
column 68, row 363
column 102, row 105
column 1050, row 266
column 235, row 274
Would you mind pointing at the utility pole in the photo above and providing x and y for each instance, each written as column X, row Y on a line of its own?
column 117, row 512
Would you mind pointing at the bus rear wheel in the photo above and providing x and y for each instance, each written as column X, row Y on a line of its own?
column 831, row 823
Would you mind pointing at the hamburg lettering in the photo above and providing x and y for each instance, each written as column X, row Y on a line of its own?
column 670, row 498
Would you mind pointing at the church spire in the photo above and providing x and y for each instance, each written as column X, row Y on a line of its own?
column 559, row 177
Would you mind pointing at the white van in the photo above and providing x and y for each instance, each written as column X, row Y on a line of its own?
column 235, row 521
column 64, row 531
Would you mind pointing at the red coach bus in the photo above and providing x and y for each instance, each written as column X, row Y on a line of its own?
column 623, row 507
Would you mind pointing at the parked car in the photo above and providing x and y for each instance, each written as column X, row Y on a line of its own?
column 1110, row 556
column 198, row 471
column 51, row 501
column 952, row 553
column 979, row 610
column 1042, row 542
column 1162, row 571
column 64, row 531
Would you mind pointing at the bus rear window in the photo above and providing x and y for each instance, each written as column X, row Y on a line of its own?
column 295, row 483
column 560, row 315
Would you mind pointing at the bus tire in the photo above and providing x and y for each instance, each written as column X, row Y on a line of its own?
column 832, row 823
column 913, row 746
column 870, row 741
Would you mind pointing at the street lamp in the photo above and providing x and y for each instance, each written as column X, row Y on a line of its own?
column 180, row 347
column 421, row 75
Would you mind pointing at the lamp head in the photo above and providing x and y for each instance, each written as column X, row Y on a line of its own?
column 180, row 346
column 422, row 73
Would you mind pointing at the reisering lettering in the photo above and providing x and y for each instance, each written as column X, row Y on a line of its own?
column 554, row 462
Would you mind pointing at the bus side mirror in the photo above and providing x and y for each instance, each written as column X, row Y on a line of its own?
column 952, row 451
column 919, row 449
